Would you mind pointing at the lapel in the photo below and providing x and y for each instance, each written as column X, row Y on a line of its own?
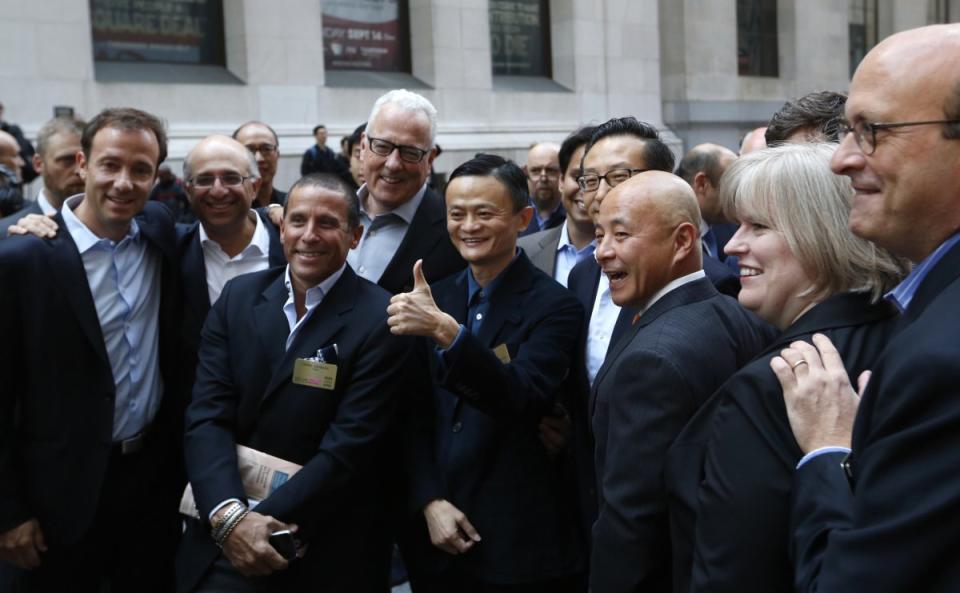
column 194, row 272
column 506, row 304
column 942, row 275
column 69, row 272
column 426, row 228
column 547, row 257
column 324, row 324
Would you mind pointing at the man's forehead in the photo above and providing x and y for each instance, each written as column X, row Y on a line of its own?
column 254, row 132
column 613, row 151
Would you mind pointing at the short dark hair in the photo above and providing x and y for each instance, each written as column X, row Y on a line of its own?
column 318, row 127
column 354, row 138
column 333, row 183
column 952, row 111
column 657, row 155
column 503, row 170
column 570, row 145
column 821, row 111
column 125, row 118
column 276, row 139
column 701, row 159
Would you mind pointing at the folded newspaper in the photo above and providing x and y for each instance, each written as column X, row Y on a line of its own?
column 260, row 474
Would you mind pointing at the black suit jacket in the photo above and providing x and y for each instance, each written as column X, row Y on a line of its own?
column 57, row 393
column 8, row 221
column 426, row 239
column 196, row 297
column 482, row 451
column 899, row 530
column 244, row 394
column 730, row 472
column 650, row 385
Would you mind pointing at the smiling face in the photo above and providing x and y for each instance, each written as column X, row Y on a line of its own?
column 221, row 208
column 570, row 191
column 118, row 178
column 482, row 223
column 315, row 234
column 906, row 190
column 391, row 180
column 613, row 152
column 771, row 277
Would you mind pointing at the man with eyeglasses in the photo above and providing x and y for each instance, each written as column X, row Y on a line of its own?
column 228, row 239
column 403, row 219
column 875, row 501
column 543, row 177
column 262, row 141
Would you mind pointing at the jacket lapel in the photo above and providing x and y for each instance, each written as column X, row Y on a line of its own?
column 194, row 274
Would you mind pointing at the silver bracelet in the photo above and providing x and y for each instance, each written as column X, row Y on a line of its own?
column 232, row 510
column 230, row 526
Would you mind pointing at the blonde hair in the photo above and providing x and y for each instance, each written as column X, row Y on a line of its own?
column 791, row 189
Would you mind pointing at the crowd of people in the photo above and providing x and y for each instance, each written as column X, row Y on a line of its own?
column 600, row 371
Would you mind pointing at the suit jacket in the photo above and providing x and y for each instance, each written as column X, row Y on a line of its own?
column 650, row 385
column 196, row 297
column 426, row 239
column 8, row 221
column 895, row 526
column 482, row 451
column 57, row 394
column 556, row 219
column 541, row 248
column 244, row 394
column 729, row 474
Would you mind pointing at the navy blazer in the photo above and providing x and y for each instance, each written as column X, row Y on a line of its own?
column 481, row 451
column 426, row 239
column 651, row 383
column 895, row 526
column 57, row 393
column 244, row 394
column 729, row 473
column 8, row 221
column 196, row 297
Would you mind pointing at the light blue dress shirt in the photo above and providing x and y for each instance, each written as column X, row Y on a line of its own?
column 124, row 280
column 568, row 256
column 382, row 235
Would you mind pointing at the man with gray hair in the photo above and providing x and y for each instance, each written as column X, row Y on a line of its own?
column 403, row 219
column 814, row 116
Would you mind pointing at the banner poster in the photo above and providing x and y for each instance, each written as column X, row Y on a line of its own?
column 364, row 35
column 517, row 38
column 172, row 31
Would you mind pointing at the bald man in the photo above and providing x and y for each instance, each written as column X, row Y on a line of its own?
column 543, row 180
column 685, row 341
column 11, row 187
column 754, row 140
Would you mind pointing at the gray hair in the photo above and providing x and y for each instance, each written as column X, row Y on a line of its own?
column 791, row 189
column 58, row 125
column 408, row 101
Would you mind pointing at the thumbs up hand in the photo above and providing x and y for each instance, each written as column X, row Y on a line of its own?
column 415, row 313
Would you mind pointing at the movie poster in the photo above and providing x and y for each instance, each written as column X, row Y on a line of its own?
column 172, row 31
column 367, row 35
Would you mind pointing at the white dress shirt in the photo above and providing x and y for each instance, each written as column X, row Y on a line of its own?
column 222, row 268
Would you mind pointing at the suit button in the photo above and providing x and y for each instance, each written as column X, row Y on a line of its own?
column 457, row 426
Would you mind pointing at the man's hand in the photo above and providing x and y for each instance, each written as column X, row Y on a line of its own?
column 23, row 545
column 821, row 404
column 248, row 546
column 37, row 224
column 554, row 431
column 449, row 528
column 275, row 214
column 415, row 313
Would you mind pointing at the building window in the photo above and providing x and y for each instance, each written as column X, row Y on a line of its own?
column 520, row 38
column 941, row 11
column 758, row 52
column 158, row 31
column 367, row 35
column 863, row 30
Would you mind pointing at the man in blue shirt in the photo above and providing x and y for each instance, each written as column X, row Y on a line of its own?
column 91, row 408
column 875, row 506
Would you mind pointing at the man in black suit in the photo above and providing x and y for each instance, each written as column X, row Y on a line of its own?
column 91, row 410
column 885, row 517
column 228, row 239
column 685, row 340
column 495, row 503
column 543, row 175
column 404, row 220
column 268, row 336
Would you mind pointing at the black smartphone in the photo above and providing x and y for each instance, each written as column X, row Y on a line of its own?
column 284, row 543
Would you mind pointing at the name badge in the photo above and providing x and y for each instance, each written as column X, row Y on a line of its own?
column 502, row 353
column 313, row 373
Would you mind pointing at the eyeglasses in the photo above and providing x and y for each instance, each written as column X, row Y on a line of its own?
column 590, row 182
column 537, row 172
column 410, row 154
column 865, row 133
column 264, row 149
column 226, row 180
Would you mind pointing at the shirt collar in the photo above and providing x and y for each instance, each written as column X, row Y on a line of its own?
column 45, row 206
column 671, row 286
column 473, row 287
column 565, row 243
column 316, row 293
column 84, row 238
column 543, row 221
column 903, row 293
column 404, row 211
column 260, row 241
